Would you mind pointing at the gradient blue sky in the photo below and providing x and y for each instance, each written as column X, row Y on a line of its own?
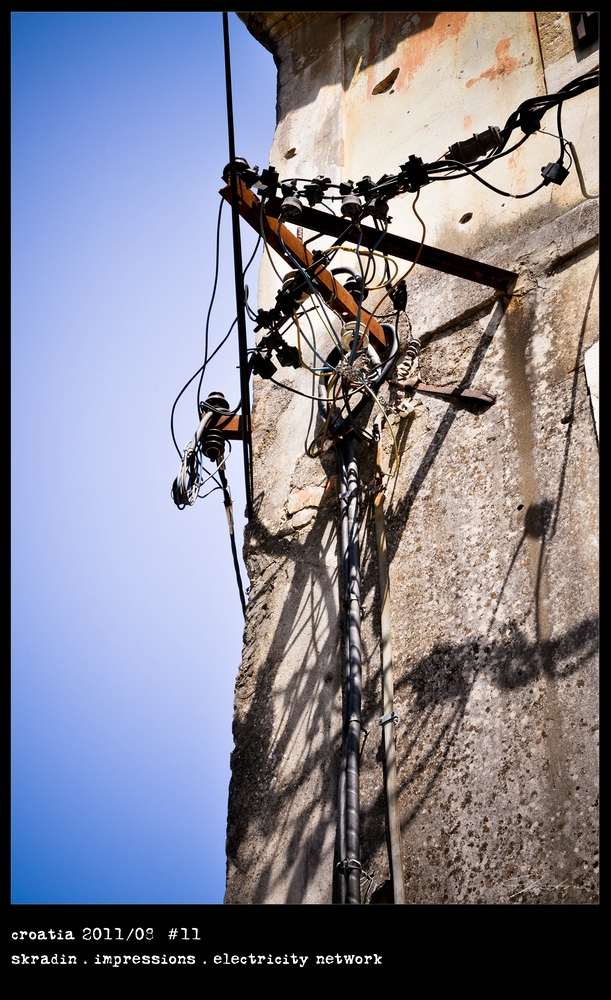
column 126, row 621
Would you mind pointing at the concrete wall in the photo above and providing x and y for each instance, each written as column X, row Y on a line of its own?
column 491, row 520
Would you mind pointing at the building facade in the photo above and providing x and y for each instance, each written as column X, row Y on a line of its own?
column 490, row 495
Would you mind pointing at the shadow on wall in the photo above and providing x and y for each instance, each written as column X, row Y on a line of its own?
column 448, row 674
column 291, row 812
column 376, row 36
column 292, row 818
column 398, row 513
column 282, row 801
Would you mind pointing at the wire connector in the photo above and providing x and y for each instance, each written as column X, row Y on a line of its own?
column 414, row 174
column 267, row 184
column 554, row 173
column 478, row 145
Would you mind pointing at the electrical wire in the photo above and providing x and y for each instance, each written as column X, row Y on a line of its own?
column 347, row 865
column 313, row 290
column 239, row 283
column 582, row 183
column 527, row 117
column 313, row 371
column 506, row 194
column 212, row 296
column 186, row 386
column 413, row 263
column 228, row 502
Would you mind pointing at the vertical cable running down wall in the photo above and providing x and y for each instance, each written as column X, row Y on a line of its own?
column 348, row 865
column 389, row 717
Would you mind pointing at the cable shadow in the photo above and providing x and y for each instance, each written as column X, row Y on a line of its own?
column 438, row 687
column 441, row 683
column 541, row 517
column 399, row 510
column 284, row 778
column 282, row 815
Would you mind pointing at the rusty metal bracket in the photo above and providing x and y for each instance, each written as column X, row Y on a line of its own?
column 231, row 427
column 445, row 390
column 399, row 246
column 264, row 218
column 334, row 293
column 389, row 717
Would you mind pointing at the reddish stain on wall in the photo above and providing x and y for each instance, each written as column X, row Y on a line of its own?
column 504, row 64
column 426, row 30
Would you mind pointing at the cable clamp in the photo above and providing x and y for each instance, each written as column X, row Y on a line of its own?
column 349, row 864
column 389, row 717
column 359, row 722
column 354, row 717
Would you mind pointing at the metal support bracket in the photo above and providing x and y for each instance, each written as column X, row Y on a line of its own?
column 445, row 390
column 389, row 717
column 340, row 300
column 399, row 246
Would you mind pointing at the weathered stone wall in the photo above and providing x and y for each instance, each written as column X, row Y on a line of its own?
column 491, row 519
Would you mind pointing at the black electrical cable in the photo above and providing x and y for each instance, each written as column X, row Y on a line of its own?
column 531, row 111
column 348, row 866
column 453, row 173
column 341, row 850
column 212, row 296
column 506, row 194
column 208, row 358
column 338, row 425
column 186, row 386
column 228, row 502
column 527, row 116
column 304, row 271
column 298, row 392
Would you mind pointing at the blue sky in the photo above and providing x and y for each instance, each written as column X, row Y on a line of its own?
column 126, row 621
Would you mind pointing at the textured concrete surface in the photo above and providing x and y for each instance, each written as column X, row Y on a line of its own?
column 491, row 520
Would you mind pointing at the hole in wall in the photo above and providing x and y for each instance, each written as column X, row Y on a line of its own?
column 386, row 83
column 465, row 218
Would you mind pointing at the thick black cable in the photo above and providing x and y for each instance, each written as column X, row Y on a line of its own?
column 476, row 165
column 527, row 116
column 228, row 502
column 348, row 864
column 184, row 388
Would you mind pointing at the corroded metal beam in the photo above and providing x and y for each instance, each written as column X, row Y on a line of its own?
column 332, row 290
column 399, row 246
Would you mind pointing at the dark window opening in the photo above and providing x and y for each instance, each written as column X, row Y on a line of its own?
column 584, row 25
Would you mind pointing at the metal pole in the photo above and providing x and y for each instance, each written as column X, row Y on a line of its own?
column 239, row 283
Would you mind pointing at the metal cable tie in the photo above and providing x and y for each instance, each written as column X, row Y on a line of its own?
column 349, row 863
